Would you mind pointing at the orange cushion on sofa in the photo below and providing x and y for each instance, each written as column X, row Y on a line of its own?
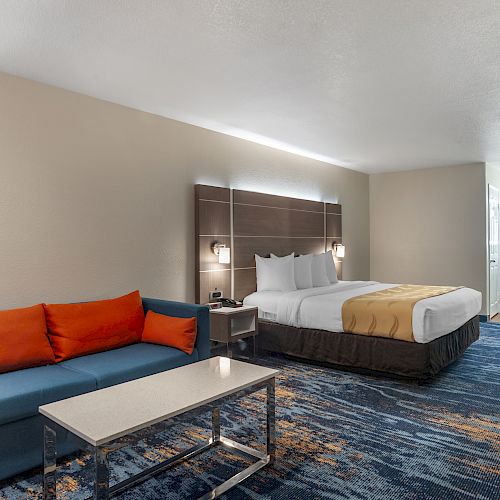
column 173, row 332
column 89, row 327
column 23, row 339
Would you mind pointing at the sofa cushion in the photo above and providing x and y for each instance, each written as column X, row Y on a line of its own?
column 85, row 328
column 172, row 332
column 23, row 391
column 128, row 363
column 23, row 339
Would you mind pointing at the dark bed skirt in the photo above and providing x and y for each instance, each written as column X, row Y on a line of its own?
column 376, row 354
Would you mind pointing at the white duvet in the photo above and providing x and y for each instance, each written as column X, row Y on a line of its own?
column 321, row 308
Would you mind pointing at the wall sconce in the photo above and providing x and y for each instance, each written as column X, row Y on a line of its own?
column 338, row 249
column 223, row 252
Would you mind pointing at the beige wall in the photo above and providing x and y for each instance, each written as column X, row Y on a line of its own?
column 428, row 226
column 97, row 199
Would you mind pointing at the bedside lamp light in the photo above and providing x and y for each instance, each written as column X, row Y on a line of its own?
column 223, row 252
column 225, row 255
column 339, row 250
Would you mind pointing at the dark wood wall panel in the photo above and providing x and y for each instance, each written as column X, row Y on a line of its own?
column 212, row 193
column 333, row 226
column 270, row 200
column 264, row 221
column 214, row 218
column 246, row 247
column 331, row 241
column 245, row 283
column 212, row 280
column 333, row 208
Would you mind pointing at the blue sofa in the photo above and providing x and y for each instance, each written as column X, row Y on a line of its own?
column 23, row 391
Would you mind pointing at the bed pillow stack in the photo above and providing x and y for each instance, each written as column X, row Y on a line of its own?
column 276, row 274
column 323, row 269
column 303, row 271
column 286, row 274
column 319, row 273
column 302, row 267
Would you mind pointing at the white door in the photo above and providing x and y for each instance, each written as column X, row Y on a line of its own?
column 493, row 247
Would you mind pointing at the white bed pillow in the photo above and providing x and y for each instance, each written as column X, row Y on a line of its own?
column 319, row 274
column 275, row 274
column 302, row 270
column 331, row 270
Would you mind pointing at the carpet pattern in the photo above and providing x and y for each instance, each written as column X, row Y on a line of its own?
column 340, row 436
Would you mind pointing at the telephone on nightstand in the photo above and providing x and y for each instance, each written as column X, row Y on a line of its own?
column 229, row 302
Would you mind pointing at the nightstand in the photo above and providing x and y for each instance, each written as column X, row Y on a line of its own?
column 230, row 324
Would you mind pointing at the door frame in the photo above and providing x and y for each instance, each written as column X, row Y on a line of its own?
column 493, row 309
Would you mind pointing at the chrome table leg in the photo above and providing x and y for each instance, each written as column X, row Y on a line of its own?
column 49, row 463
column 271, row 420
column 215, row 424
column 101, row 485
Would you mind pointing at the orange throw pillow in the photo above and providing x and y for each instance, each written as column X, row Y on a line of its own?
column 23, row 339
column 89, row 327
column 173, row 332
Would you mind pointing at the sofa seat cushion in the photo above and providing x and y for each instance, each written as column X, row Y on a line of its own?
column 23, row 391
column 128, row 363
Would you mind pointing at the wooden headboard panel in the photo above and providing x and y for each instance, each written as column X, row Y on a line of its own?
column 255, row 223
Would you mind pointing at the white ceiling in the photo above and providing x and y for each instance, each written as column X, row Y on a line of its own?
column 375, row 85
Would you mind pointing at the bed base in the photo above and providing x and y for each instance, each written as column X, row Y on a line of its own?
column 369, row 354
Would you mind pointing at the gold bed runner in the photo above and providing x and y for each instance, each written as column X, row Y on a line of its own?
column 387, row 313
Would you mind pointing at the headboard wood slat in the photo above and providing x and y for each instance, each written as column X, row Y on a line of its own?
column 272, row 200
column 253, row 220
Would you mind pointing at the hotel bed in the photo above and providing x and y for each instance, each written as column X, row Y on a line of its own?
column 308, row 324
column 305, row 317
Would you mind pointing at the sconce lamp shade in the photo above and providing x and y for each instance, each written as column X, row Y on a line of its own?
column 339, row 250
column 224, row 255
column 222, row 252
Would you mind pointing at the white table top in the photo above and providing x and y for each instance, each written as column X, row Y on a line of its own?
column 101, row 416
column 232, row 310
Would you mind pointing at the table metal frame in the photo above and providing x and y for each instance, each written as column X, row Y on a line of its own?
column 102, row 489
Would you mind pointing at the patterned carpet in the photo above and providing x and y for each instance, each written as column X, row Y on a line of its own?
column 341, row 435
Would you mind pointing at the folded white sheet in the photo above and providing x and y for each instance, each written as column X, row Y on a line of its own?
column 321, row 308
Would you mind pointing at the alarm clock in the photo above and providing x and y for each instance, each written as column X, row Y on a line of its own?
column 215, row 295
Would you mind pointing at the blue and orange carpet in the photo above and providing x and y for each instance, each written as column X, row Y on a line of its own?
column 340, row 436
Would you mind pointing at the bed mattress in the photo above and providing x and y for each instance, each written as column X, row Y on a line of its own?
column 321, row 308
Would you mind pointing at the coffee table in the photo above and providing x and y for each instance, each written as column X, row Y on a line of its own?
column 109, row 419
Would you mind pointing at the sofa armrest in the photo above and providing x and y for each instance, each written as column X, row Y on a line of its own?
column 184, row 310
